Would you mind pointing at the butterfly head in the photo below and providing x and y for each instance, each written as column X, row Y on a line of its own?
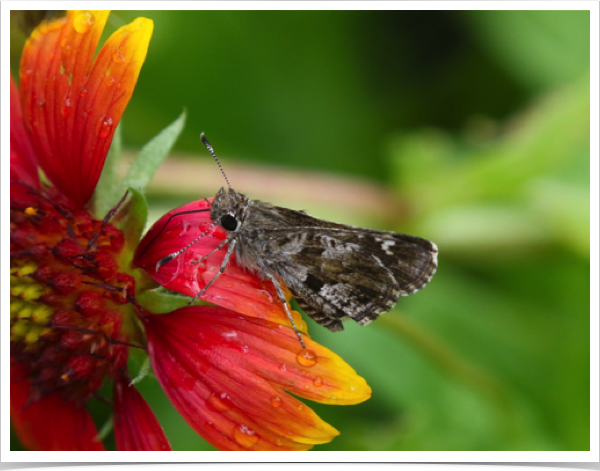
column 228, row 209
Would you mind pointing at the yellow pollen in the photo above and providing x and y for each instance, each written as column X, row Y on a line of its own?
column 27, row 269
column 28, row 318
column 32, row 293
column 18, row 330
column 42, row 314
column 31, row 211
column 26, row 311
column 34, row 334
column 15, row 307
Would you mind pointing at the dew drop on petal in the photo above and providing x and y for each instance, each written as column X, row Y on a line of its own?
column 25, row 75
column 119, row 86
column 82, row 92
column 89, row 110
column 300, row 407
column 105, row 125
column 276, row 401
column 210, row 426
column 306, row 357
column 66, row 107
column 109, row 81
column 219, row 402
column 318, row 381
column 244, row 436
column 117, row 55
column 83, row 22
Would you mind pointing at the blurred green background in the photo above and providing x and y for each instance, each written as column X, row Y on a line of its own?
column 469, row 128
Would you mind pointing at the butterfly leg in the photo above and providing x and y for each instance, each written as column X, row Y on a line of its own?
column 170, row 257
column 221, row 270
column 216, row 249
column 286, row 305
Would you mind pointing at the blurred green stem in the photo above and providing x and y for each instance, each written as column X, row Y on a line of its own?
column 449, row 361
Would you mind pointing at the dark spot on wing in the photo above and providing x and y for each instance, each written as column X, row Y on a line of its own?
column 313, row 283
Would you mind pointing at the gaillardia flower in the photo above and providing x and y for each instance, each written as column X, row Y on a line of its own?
column 82, row 300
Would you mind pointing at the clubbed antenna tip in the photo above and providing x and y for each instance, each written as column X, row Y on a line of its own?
column 212, row 152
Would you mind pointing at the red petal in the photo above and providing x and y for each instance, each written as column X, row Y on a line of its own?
column 136, row 426
column 50, row 423
column 228, row 375
column 235, row 289
column 73, row 107
column 23, row 162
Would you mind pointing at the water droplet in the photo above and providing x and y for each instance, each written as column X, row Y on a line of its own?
column 83, row 22
column 117, row 55
column 318, row 381
column 105, row 126
column 300, row 407
column 66, row 107
column 244, row 436
column 89, row 110
column 278, row 441
column 82, row 92
column 276, row 401
column 109, row 81
column 41, row 103
column 219, row 402
column 63, row 42
column 283, row 367
column 25, row 75
column 119, row 86
column 307, row 358
column 210, row 426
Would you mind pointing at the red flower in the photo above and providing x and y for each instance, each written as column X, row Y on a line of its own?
column 182, row 226
column 77, row 300
column 71, row 320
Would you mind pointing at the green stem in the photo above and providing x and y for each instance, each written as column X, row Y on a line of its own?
column 448, row 361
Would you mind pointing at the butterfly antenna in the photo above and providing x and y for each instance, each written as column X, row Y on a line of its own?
column 212, row 152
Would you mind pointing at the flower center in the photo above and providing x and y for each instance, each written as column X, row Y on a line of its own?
column 71, row 316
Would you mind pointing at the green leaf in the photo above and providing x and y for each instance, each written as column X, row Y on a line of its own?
column 160, row 301
column 142, row 372
column 152, row 154
column 105, row 430
column 136, row 215
column 108, row 191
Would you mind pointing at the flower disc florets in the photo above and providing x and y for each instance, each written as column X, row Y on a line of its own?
column 70, row 311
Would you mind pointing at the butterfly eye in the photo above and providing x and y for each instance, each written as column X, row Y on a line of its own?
column 229, row 222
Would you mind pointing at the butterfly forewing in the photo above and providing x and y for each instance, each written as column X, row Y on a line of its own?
column 335, row 271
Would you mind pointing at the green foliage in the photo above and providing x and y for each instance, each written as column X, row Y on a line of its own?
column 479, row 123
column 142, row 169
column 481, row 128
column 111, row 186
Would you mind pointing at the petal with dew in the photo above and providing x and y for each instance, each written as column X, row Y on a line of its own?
column 235, row 289
column 71, row 106
column 136, row 426
column 23, row 161
column 49, row 423
column 229, row 376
